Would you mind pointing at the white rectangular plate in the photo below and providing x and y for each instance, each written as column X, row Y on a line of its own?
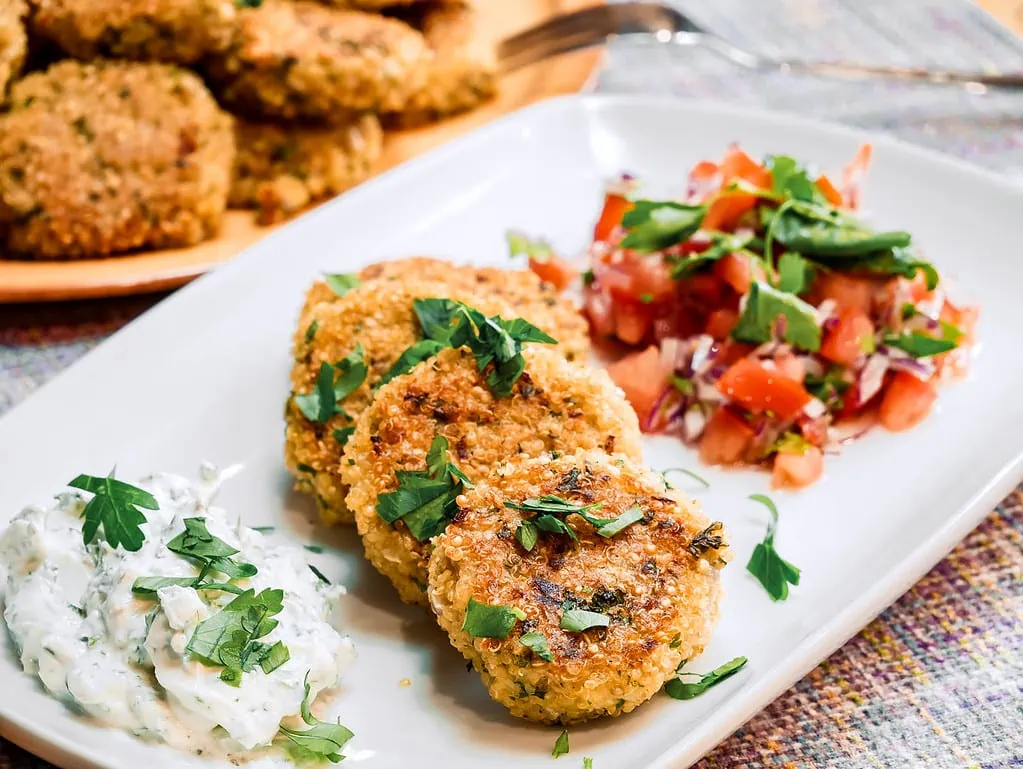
column 204, row 376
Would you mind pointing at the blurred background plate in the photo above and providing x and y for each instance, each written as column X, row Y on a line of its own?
column 27, row 281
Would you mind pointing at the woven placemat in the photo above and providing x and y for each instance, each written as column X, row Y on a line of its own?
column 937, row 679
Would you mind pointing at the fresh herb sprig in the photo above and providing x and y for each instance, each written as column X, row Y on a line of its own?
column 333, row 384
column 342, row 282
column 561, row 744
column 770, row 569
column 678, row 689
column 322, row 740
column 548, row 514
column 114, row 511
column 425, row 499
column 490, row 621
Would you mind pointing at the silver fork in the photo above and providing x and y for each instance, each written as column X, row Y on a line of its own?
column 661, row 24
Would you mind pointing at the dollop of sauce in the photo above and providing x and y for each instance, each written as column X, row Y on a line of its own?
column 121, row 659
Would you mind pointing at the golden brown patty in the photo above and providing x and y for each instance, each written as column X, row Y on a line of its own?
column 522, row 290
column 464, row 70
column 280, row 170
column 106, row 157
column 181, row 31
column 379, row 317
column 305, row 60
column 12, row 42
column 656, row 581
column 373, row 5
column 555, row 406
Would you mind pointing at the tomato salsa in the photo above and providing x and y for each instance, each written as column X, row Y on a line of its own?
column 768, row 321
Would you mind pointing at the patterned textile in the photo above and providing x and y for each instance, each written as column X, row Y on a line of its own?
column 937, row 680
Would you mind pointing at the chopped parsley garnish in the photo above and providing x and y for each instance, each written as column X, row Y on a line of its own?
column 619, row 524
column 485, row 621
column 210, row 552
column 343, row 282
column 561, row 744
column 922, row 346
column 791, row 443
column 310, row 331
column 522, row 245
column 828, row 388
column 421, row 351
column 770, row 569
column 230, row 638
column 322, row 740
column 587, row 762
column 767, row 308
column 342, row 434
column 795, row 274
column 826, row 233
column 722, row 244
column 549, row 513
column 319, row 574
column 681, row 690
column 265, row 529
column 791, row 180
column 333, row 384
column 578, row 620
column 708, row 539
column 588, row 277
column 537, row 642
column 248, row 3
column 699, row 479
column 114, row 507
column 656, row 225
column 425, row 499
column 318, row 549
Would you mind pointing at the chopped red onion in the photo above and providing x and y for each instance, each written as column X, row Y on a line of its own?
column 660, row 410
column 871, row 377
column 921, row 369
column 693, row 423
column 815, row 409
column 704, row 353
column 671, row 348
column 812, row 365
column 826, row 310
column 707, row 392
column 932, row 305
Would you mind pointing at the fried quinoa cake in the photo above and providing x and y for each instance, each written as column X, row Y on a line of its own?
column 303, row 60
column 554, row 406
column 463, row 73
column 280, row 170
column 527, row 295
column 655, row 580
column 180, row 31
column 379, row 317
column 106, row 157
column 12, row 42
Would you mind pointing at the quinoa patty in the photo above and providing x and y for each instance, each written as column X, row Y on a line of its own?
column 181, row 31
column 378, row 316
column 656, row 581
column 12, row 42
column 282, row 169
column 464, row 70
column 106, row 157
column 527, row 295
column 302, row 60
column 555, row 406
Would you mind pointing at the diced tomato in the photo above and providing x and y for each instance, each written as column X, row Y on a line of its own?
column 852, row 178
column 907, row 401
column 917, row 287
column 642, row 377
column 651, row 277
column 791, row 366
column 702, row 292
column 851, row 337
column 759, row 389
column 616, row 280
column 797, row 471
column 633, row 321
column 847, row 291
column 555, row 271
column 829, row 191
column 724, row 213
column 721, row 322
column 732, row 351
column 965, row 319
column 738, row 165
column 735, row 270
column 615, row 207
column 814, row 430
column 600, row 311
column 725, row 439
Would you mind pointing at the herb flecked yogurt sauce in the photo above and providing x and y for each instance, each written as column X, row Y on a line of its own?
column 153, row 611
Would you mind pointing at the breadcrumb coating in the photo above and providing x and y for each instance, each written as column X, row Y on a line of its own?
column 12, row 42
column 654, row 580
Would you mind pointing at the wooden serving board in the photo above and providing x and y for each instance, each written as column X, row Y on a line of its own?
column 27, row 281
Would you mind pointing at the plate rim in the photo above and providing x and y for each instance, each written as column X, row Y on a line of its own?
column 60, row 750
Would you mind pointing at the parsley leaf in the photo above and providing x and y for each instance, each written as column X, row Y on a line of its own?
column 899, row 261
column 920, row 345
column 619, row 524
column 322, row 739
column 421, row 351
column 333, row 384
column 527, row 534
column 791, row 180
column 679, row 690
column 342, row 434
column 764, row 306
column 578, row 620
column 561, row 744
column 318, row 574
column 310, row 332
column 656, row 225
column 485, row 621
column 722, row 244
column 587, row 762
column 699, row 479
column 826, row 233
column 425, row 500
column 828, row 388
column 708, row 539
column 437, row 317
column 211, row 552
column 114, row 506
column 230, row 638
column 342, row 283
column 537, row 642
column 770, row 569
column 522, row 245
column 791, row 443
column 795, row 274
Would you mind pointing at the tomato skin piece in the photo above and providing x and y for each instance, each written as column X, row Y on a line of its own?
column 726, row 211
column 846, row 291
column 829, row 191
column 555, row 271
column 736, row 271
column 792, row 367
column 907, row 402
column 848, row 340
column 651, row 277
column 720, row 323
column 758, row 389
column 725, row 439
column 643, row 379
column 738, row 165
column 797, row 471
column 615, row 207
column 600, row 311
column 852, row 176
column 814, row 430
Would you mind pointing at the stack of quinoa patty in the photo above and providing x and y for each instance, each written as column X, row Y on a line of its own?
column 574, row 579
column 157, row 115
